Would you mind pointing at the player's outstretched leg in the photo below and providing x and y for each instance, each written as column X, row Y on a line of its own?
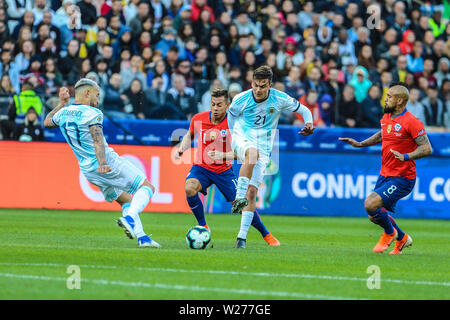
column 267, row 236
column 373, row 205
column 131, row 222
column 192, row 187
column 403, row 239
column 245, row 174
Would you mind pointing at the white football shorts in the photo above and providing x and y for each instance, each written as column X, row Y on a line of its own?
column 124, row 177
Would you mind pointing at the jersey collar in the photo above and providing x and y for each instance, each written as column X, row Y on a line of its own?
column 210, row 120
column 254, row 99
column 404, row 111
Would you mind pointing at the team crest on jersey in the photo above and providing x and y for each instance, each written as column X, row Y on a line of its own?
column 223, row 133
column 213, row 135
column 397, row 127
column 389, row 128
column 271, row 110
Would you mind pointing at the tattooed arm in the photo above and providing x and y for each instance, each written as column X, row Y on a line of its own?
column 373, row 140
column 99, row 145
column 423, row 149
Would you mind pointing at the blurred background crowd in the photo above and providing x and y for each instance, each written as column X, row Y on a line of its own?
column 158, row 59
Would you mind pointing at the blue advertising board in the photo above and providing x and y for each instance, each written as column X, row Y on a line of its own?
column 336, row 184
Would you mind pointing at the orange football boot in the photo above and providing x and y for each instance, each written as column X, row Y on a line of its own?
column 207, row 227
column 271, row 240
column 385, row 241
column 401, row 244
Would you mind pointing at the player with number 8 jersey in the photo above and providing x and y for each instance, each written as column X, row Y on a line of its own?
column 403, row 140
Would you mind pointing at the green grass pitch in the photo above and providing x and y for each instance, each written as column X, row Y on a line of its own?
column 319, row 258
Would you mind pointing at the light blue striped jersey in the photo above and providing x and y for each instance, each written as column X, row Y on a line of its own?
column 258, row 121
column 74, row 122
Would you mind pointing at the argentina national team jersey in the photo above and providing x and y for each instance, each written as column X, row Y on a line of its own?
column 74, row 122
column 257, row 121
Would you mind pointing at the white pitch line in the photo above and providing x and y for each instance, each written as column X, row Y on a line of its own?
column 281, row 294
column 225, row 272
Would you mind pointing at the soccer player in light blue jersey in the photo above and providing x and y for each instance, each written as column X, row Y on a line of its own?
column 253, row 120
column 82, row 126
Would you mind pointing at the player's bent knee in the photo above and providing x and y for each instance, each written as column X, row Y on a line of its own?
column 371, row 205
column 148, row 184
column 192, row 187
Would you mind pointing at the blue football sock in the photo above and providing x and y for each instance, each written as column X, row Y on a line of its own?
column 381, row 218
column 400, row 233
column 196, row 206
column 257, row 223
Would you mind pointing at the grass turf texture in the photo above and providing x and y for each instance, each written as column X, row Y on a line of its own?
column 319, row 258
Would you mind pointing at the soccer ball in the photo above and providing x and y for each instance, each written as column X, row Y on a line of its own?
column 198, row 237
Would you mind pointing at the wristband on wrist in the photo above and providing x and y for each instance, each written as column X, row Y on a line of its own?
column 406, row 157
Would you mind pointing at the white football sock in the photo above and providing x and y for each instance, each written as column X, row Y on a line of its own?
column 246, row 221
column 242, row 186
column 125, row 208
column 138, row 203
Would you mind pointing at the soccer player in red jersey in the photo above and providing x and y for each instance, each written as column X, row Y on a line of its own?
column 403, row 140
column 213, row 160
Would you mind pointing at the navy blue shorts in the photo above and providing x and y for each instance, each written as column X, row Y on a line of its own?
column 392, row 189
column 225, row 181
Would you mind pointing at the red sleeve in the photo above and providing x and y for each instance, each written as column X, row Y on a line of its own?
column 191, row 126
column 416, row 128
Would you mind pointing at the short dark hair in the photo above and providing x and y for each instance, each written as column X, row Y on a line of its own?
column 263, row 72
column 217, row 93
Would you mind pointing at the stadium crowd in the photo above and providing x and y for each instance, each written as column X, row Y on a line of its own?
column 158, row 59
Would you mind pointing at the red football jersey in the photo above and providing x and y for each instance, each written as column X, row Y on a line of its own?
column 399, row 134
column 210, row 137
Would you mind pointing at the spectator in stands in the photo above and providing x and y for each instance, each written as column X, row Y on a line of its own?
column 31, row 129
column 69, row 66
column 365, row 57
column 136, row 97
column 310, row 100
column 327, row 110
column 182, row 97
column 349, row 110
column 415, row 59
column 442, row 72
column 22, row 59
column 156, row 97
column 88, row 12
column 205, row 103
column 143, row 11
column 415, row 106
column 434, row 107
column 360, row 83
column 27, row 20
column 134, row 72
column 8, row 66
column 114, row 102
column 292, row 83
column 313, row 81
column 427, row 73
column 52, row 77
column 197, row 7
column 184, row 68
column 371, row 108
column 167, row 41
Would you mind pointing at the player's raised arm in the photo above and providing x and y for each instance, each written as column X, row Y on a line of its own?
column 424, row 149
column 184, row 145
column 373, row 140
column 64, row 97
column 99, row 146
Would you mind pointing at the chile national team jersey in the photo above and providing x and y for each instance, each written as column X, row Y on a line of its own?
column 210, row 137
column 399, row 134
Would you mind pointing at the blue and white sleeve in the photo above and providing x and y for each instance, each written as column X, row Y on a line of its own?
column 294, row 105
column 96, row 120
column 233, row 113
column 56, row 118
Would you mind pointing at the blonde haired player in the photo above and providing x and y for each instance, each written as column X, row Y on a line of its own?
column 82, row 126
